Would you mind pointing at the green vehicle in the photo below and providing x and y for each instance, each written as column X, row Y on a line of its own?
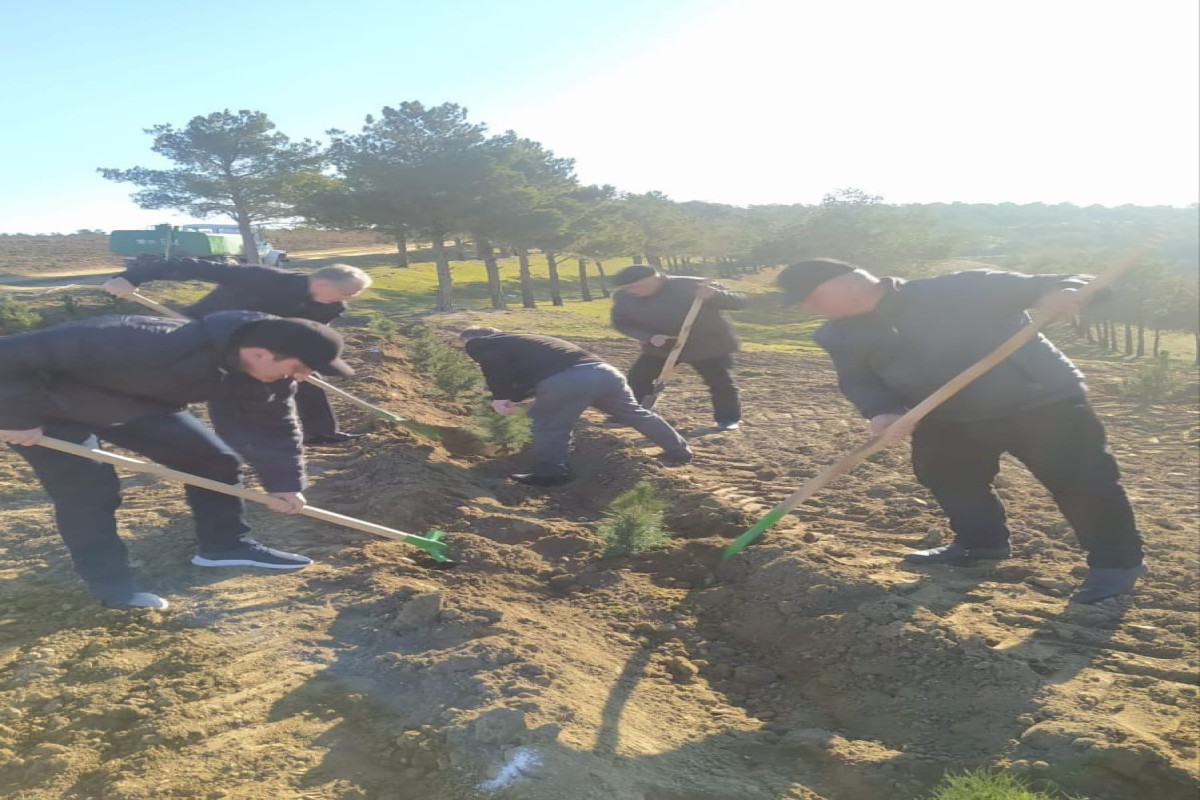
column 208, row 242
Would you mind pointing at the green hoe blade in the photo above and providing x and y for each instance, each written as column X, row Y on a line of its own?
column 752, row 533
column 432, row 543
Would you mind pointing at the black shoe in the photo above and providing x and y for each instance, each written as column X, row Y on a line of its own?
column 542, row 479
column 676, row 458
column 135, row 598
column 958, row 554
column 249, row 553
column 340, row 437
column 1102, row 583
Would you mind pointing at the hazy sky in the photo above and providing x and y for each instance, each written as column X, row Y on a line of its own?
column 734, row 101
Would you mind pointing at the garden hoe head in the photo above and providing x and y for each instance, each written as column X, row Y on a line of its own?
column 433, row 544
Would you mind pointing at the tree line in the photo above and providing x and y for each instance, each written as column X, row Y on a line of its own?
column 429, row 174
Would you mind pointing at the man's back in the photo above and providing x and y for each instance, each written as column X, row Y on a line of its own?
column 271, row 290
column 108, row 370
column 925, row 331
column 513, row 363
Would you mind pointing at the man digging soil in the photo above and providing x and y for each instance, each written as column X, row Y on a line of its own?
column 320, row 296
column 650, row 307
column 127, row 380
column 895, row 342
column 564, row 381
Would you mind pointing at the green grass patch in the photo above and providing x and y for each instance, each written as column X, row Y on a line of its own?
column 985, row 785
column 409, row 293
column 16, row 316
column 1153, row 381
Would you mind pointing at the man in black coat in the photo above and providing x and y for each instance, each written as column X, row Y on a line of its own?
column 895, row 342
column 127, row 380
column 564, row 380
column 320, row 296
column 650, row 307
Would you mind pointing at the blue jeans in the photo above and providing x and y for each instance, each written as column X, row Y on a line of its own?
column 561, row 398
column 86, row 493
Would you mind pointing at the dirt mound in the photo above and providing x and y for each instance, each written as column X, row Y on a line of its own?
column 814, row 665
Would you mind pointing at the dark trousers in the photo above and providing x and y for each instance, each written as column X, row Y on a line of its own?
column 1062, row 444
column 316, row 415
column 86, row 493
column 715, row 372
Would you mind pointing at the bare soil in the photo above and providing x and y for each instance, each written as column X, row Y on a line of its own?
column 814, row 665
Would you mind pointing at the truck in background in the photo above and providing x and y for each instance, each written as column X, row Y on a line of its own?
column 198, row 240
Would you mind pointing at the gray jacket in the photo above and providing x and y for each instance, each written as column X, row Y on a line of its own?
column 924, row 332
column 662, row 313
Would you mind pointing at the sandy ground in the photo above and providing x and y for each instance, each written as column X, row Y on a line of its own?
column 813, row 665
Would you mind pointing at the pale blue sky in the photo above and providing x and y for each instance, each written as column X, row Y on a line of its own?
column 736, row 101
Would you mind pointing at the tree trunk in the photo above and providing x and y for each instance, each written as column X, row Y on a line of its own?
column 655, row 262
column 249, row 245
column 1102, row 335
column 401, row 234
column 495, row 288
column 1128, row 339
column 445, row 299
column 1141, row 340
column 583, row 281
column 459, row 255
column 603, row 278
column 555, row 289
column 637, row 260
column 527, row 300
column 1157, row 337
column 1113, row 345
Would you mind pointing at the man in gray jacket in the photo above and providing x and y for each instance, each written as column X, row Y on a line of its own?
column 650, row 307
column 895, row 342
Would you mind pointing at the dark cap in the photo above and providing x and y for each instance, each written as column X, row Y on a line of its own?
column 633, row 274
column 319, row 347
column 799, row 280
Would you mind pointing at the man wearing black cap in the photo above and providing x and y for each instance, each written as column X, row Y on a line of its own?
column 127, row 381
column 650, row 307
column 895, row 342
column 320, row 296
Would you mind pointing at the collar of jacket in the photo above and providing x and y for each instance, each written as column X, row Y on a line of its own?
column 890, row 304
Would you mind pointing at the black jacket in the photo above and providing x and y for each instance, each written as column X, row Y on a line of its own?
column 281, row 292
column 110, row 370
column 924, row 332
column 513, row 363
column 662, row 313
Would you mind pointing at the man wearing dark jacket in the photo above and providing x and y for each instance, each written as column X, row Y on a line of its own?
column 564, row 381
column 895, row 342
column 320, row 296
column 650, row 307
column 127, row 380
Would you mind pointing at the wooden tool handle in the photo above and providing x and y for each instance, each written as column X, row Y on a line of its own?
column 206, row 483
column 159, row 307
column 685, row 331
